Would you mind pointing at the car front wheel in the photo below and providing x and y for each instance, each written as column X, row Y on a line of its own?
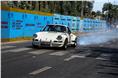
column 34, row 46
column 65, row 46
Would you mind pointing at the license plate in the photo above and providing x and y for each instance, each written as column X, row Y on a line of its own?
column 36, row 43
column 45, row 42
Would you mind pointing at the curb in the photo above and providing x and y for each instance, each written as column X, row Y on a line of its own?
column 15, row 42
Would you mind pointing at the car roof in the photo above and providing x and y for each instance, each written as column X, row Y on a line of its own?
column 58, row 24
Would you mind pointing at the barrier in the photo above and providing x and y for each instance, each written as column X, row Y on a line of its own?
column 74, row 24
column 69, row 21
column 57, row 19
column 5, row 29
column 16, row 24
column 63, row 20
column 78, row 23
column 87, row 25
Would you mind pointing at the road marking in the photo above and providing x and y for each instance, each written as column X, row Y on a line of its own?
column 4, row 47
column 40, row 70
column 100, row 58
column 68, row 59
column 80, row 55
column 74, row 56
column 19, row 49
column 84, row 54
column 104, row 56
column 61, row 53
column 39, row 52
column 4, row 51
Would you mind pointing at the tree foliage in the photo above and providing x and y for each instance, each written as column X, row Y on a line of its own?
column 60, row 7
column 110, row 12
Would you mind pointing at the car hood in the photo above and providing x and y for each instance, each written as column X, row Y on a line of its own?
column 47, row 36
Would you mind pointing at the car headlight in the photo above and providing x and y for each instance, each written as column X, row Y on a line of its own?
column 59, row 37
column 35, row 35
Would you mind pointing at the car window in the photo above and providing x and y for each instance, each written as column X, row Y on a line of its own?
column 55, row 28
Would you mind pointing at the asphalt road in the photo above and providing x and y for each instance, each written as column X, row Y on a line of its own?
column 20, row 60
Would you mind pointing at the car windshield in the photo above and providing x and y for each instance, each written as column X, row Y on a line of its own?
column 55, row 28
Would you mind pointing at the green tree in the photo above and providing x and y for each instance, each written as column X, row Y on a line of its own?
column 61, row 7
column 98, row 13
column 111, row 12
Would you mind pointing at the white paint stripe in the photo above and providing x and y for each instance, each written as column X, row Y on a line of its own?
column 105, row 55
column 80, row 56
column 3, row 47
column 15, row 50
column 4, row 51
column 19, row 49
column 39, row 52
column 68, row 59
column 83, row 54
column 100, row 58
column 40, row 70
column 61, row 53
column 73, row 56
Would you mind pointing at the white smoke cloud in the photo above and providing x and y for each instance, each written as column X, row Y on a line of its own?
column 97, row 38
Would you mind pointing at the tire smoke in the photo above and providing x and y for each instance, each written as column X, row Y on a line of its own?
column 97, row 38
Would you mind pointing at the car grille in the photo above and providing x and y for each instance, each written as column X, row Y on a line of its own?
column 45, row 43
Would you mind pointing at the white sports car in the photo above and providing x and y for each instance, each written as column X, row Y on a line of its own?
column 54, row 35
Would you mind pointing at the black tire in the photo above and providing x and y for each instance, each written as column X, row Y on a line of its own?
column 34, row 46
column 65, row 46
column 75, row 43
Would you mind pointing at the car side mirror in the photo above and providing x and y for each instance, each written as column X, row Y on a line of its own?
column 69, row 32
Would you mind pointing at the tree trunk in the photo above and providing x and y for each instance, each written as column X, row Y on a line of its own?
column 36, row 6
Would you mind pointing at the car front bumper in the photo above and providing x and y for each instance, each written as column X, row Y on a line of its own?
column 47, row 43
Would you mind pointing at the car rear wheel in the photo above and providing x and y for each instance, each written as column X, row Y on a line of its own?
column 75, row 43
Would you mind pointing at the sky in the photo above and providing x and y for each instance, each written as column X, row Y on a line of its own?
column 98, row 4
